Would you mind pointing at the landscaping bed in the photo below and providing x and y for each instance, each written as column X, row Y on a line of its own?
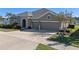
column 44, row 47
column 66, row 40
column 72, row 39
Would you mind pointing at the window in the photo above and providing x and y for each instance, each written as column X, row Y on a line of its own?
column 49, row 16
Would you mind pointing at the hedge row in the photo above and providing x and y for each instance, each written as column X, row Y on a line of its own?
column 13, row 25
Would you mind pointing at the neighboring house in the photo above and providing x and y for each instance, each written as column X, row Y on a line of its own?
column 5, row 21
column 42, row 19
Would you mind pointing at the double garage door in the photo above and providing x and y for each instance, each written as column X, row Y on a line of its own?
column 52, row 26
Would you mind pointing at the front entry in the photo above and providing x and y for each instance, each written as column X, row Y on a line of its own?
column 24, row 23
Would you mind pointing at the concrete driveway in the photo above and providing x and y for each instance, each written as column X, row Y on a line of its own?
column 21, row 40
column 9, row 42
column 29, row 40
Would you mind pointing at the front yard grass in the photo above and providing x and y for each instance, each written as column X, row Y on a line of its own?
column 7, row 30
column 44, row 47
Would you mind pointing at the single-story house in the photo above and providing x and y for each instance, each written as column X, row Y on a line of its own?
column 42, row 19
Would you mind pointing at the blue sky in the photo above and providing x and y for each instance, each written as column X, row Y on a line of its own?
column 3, row 11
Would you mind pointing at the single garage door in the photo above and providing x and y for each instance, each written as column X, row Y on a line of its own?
column 52, row 26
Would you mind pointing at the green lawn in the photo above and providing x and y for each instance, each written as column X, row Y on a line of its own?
column 7, row 30
column 44, row 47
column 73, row 39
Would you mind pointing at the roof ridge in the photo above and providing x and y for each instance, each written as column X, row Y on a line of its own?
column 41, row 9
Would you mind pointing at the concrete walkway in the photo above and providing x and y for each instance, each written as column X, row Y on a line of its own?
column 39, row 37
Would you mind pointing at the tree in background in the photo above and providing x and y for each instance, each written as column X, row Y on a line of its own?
column 11, row 17
column 66, row 17
column 69, row 15
column 1, row 18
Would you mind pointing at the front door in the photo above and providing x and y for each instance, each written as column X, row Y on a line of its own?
column 24, row 23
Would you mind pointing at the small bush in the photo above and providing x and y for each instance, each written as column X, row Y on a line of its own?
column 68, row 31
column 17, row 27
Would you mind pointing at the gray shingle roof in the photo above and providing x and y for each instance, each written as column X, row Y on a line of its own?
column 36, row 13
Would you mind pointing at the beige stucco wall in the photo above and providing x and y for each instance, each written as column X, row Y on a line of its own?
column 45, row 17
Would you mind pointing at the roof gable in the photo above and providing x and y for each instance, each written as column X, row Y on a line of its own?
column 42, row 12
